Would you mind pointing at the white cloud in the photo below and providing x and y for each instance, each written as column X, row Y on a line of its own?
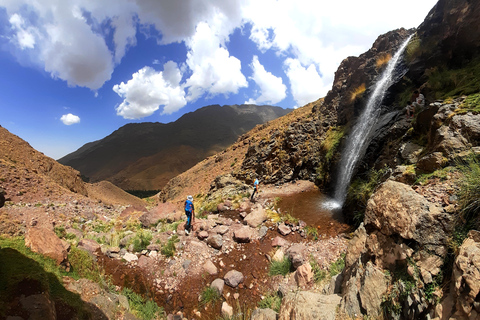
column 148, row 90
column 272, row 88
column 24, row 36
column 69, row 119
column 213, row 69
column 305, row 83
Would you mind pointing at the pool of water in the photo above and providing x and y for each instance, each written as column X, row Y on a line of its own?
column 317, row 210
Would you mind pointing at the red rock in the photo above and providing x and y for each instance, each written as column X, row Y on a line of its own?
column 46, row 242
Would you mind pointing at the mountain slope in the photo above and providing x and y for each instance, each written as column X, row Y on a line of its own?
column 147, row 155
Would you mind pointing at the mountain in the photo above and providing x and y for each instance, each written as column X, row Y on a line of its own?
column 145, row 156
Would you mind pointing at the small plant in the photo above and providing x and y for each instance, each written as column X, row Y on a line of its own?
column 271, row 301
column 141, row 240
column 358, row 91
column 168, row 249
column 311, row 232
column 144, row 308
column 83, row 265
column 209, row 295
column 283, row 267
column 441, row 174
column 318, row 273
column 337, row 266
column 60, row 232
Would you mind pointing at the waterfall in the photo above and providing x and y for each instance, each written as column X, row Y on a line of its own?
column 358, row 139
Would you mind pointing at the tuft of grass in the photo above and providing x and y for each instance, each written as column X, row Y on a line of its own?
column 337, row 266
column 332, row 140
column 441, row 174
column 318, row 274
column 311, row 232
column 358, row 91
column 271, row 301
column 382, row 60
column 209, row 295
column 471, row 104
column 84, row 265
column 145, row 309
column 168, row 249
column 141, row 240
column 469, row 193
column 283, row 267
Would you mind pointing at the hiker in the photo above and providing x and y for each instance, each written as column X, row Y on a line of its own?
column 417, row 101
column 255, row 189
column 190, row 213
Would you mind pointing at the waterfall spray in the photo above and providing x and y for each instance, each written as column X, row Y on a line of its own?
column 358, row 140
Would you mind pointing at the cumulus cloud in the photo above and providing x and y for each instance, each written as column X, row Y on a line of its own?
column 148, row 90
column 213, row 69
column 305, row 82
column 69, row 119
column 271, row 87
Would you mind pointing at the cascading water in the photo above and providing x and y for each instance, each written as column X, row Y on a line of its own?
column 359, row 138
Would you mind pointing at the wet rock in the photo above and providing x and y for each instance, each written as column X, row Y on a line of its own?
column 215, row 241
column 279, row 242
column 233, row 278
column 284, row 230
column 46, row 242
column 218, row 285
column 296, row 254
column 210, row 268
column 304, row 275
column 306, row 305
column 264, row 314
column 242, row 235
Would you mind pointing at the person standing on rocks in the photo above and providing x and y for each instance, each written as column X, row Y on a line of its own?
column 190, row 213
column 255, row 189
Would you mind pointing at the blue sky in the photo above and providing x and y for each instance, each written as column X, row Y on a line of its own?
column 75, row 71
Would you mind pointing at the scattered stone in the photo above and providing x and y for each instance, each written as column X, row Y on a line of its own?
column 129, row 257
column 264, row 314
column 233, row 278
column 210, row 268
column 202, row 235
column 284, row 229
column 304, row 275
column 306, row 305
column 220, row 229
column 262, row 232
column 218, row 285
column 227, row 310
column 186, row 264
column 242, row 235
column 279, row 242
column 295, row 253
column 279, row 255
column 153, row 247
column 256, row 217
column 215, row 241
column 89, row 245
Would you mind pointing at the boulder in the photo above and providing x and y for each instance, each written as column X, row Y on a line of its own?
column 374, row 287
column 264, row 314
column 409, row 152
column 215, row 241
column 431, row 162
column 256, row 217
column 296, row 254
column 356, row 246
column 304, row 275
column 284, row 229
column 164, row 211
column 220, row 229
column 89, row 245
column 305, row 305
column 466, row 277
column 395, row 208
column 210, row 268
column 469, row 125
column 233, row 278
column 218, row 285
column 46, row 242
column 242, row 235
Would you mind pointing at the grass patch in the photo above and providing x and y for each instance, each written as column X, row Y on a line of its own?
column 357, row 92
column 337, row 266
column 283, row 267
column 332, row 140
column 84, row 265
column 145, row 309
column 469, row 193
column 141, row 240
column 382, row 60
column 318, row 273
column 271, row 301
column 471, row 104
column 311, row 232
column 441, row 174
column 168, row 249
column 209, row 295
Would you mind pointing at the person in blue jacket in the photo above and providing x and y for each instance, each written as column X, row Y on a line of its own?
column 255, row 188
column 190, row 213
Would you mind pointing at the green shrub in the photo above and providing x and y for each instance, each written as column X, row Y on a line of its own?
column 337, row 266
column 469, row 194
column 209, row 295
column 283, row 267
column 271, row 301
column 144, row 308
column 318, row 273
column 141, row 240
column 84, row 265
column 168, row 249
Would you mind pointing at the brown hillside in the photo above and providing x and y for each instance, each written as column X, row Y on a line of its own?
column 198, row 179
